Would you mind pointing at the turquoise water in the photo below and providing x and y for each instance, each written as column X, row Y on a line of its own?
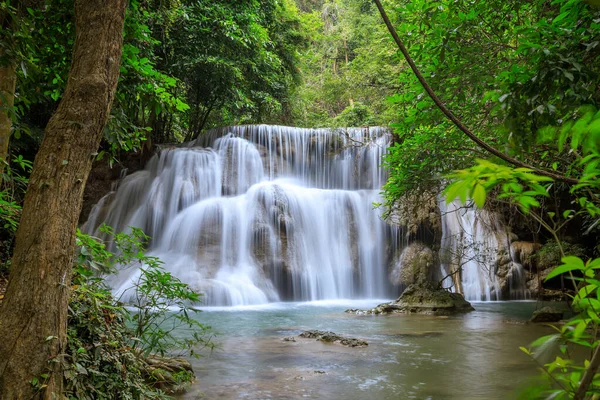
column 474, row 356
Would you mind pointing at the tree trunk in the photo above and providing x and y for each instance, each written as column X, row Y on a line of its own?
column 33, row 316
column 8, row 81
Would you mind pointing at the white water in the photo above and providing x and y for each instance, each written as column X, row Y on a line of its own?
column 259, row 214
column 251, row 215
column 473, row 239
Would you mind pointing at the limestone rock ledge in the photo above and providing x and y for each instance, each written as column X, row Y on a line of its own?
column 423, row 298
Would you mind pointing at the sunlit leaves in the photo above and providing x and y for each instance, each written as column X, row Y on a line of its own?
column 519, row 185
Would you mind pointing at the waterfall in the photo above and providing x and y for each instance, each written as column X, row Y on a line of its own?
column 256, row 214
column 477, row 243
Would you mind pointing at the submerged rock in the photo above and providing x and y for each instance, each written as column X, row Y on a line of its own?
column 331, row 337
column 422, row 299
column 546, row 314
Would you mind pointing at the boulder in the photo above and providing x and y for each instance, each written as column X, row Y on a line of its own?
column 546, row 314
column 414, row 265
column 423, row 298
column 330, row 337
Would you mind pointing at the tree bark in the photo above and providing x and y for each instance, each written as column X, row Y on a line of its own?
column 33, row 316
column 8, row 81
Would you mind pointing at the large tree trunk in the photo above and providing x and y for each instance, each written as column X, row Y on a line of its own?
column 33, row 317
column 8, row 81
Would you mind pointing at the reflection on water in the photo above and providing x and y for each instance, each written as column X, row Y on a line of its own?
column 475, row 356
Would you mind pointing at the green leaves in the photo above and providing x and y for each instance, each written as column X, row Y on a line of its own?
column 479, row 195
column 105, row 339
column 519, row 185
column 569, row 264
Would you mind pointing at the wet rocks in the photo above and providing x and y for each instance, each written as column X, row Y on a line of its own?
column 414, row 265
column 525, row 253
column 546, row 314
column 423, row 298
column 331, row 337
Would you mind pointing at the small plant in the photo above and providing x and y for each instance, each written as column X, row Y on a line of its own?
column 108, row 344
column 163, row 305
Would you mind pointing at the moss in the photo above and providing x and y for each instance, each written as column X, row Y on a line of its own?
column 422, row 299
column 549, row 254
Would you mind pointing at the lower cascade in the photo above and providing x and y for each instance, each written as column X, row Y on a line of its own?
column 256, row 214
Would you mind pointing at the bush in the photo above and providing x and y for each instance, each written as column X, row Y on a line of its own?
column 355, row 115
column 100, row 362
column 108, row 345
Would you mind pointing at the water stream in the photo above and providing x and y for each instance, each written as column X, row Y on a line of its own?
column 470, row 357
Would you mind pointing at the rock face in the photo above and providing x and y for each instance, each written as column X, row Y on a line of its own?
column 546, row 314
column 422, row 299
column 102, row 177
column 524, row 253
column 414, row 265
column 419, row 214
column 330, row 337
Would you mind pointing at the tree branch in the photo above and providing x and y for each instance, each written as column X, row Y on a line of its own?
column 453, row 118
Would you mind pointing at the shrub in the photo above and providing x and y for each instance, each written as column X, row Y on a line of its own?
column 108, row 344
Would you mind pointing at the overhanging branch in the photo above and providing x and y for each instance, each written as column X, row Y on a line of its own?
column 453, row 118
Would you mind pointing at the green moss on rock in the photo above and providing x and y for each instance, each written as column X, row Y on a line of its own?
column 422, row 298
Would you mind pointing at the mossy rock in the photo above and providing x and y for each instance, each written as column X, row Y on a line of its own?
column 546, row 314
column 331, row 337
column 422, row 299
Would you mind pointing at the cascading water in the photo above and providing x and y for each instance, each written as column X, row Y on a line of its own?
column 255, row 214
column 475, row 242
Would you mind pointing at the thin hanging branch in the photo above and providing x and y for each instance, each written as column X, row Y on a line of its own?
column 455, row 119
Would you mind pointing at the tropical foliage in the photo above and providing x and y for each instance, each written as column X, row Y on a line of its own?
column 108, row 343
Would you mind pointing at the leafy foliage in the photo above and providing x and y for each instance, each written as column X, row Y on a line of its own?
column 186, row 65
column 349, row 68
column 108, row 343
column 100, row 363
column 567, row 376
column 162, row 305
column 507, row 69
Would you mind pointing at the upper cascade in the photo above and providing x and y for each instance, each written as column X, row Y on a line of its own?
column 258, row 213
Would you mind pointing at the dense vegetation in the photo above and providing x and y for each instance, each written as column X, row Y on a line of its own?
column 523, row 75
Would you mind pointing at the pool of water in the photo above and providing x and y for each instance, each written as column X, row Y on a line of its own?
column 473, row 356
